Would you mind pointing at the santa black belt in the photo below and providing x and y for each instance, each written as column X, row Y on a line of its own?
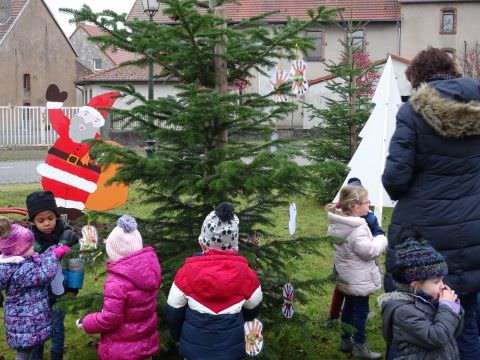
column 73, row 159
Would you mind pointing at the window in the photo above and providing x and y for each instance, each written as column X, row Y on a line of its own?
column 357, row 40
column 26, row 82
column 449, row 21
column 97, row 64
column 317, row 53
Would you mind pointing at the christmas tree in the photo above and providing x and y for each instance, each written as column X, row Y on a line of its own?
column 200, row 159
column 346, row 111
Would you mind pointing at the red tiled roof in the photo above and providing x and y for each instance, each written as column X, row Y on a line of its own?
column 127, row 73
column 117, row 56
column 357, row 10
column 16, row 7
column 82, row 70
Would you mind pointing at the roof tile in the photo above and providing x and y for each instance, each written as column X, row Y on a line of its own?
column 358, row 10
column 16, row 7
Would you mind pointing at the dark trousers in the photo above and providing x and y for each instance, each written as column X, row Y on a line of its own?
column 354, row 315
column 58, row 338
column 336, row 304
column 468, row 341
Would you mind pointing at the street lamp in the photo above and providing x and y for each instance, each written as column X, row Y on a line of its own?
column 150, row 7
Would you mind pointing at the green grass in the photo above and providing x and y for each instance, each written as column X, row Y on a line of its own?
column 306, row 339
column 23, row 154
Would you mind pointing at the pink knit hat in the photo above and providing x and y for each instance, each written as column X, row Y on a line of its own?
column 17, row 242
column 125, row 239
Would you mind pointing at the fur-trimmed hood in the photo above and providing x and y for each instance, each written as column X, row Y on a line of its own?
column 451, row 107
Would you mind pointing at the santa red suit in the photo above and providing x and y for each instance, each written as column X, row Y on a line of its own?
column 68, row 171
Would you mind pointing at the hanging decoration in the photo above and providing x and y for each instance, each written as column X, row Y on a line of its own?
column 297, row 74
column 89, row 240
column 253, row 337
column 279, row 81
column 288, row 298
column 292, row 222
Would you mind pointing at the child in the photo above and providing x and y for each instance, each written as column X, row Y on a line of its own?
column 26, row 277
column 338, row 296
column 358, row 273
column 423, row 317
column 48, row 229
column 128, row 320
column 213, row 294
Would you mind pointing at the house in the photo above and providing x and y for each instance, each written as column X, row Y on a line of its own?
column 91, row 55
column 318, row 91
column 34, row 52
column 449, row 25
column 97, row 82
column 379, row 36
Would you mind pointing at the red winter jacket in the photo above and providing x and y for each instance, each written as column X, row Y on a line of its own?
column 128, row 320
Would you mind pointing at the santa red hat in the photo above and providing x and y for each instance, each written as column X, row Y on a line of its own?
column 94, row 112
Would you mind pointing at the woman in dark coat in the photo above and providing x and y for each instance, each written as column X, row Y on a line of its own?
column 433, row 170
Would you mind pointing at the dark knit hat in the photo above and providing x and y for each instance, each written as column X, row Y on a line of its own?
column 354, row 182
column 39, row 201
column 416, row 260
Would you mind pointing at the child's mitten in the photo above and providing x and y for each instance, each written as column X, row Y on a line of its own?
column 61, row 251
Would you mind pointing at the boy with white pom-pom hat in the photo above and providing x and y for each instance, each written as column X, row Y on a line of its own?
column 214, row 294
column 128, row 320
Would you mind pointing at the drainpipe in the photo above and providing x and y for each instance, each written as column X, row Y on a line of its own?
column 83, row 93
column 399, row 37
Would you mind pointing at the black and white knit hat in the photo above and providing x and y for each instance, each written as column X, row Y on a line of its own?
column 220, row 229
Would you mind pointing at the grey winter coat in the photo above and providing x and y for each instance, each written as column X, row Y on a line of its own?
column 419, row 330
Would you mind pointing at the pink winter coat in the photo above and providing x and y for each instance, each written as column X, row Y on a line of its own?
column 128, row 320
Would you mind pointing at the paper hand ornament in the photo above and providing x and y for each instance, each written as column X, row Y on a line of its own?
column 288, row 297
column 292, row 221
column 297, row 73
column 253, row 337
column 279, row 80
column 89, row 238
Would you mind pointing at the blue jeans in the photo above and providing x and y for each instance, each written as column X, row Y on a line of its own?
column 354, row 314
column 468, row 341
column 58, row 338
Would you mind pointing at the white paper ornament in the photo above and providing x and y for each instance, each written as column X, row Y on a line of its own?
column 292, row 222
column 253, row 337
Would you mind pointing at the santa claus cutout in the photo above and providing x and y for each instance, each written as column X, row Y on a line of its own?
column 68, row 170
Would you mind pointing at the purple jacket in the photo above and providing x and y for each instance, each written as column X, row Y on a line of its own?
column 27, row 313
column 128, row 320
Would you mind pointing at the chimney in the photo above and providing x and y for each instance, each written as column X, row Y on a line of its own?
column 5, row 6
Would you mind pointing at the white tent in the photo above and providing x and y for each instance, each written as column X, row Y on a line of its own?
column 368, row 162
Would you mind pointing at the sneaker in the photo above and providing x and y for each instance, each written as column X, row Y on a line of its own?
column 346, row 345
column 361, row 351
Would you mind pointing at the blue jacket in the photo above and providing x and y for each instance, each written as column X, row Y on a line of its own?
column 433, row 170
column 27, row 312
column 211, row 298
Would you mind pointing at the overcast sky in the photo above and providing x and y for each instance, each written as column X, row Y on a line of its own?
column 119, row 6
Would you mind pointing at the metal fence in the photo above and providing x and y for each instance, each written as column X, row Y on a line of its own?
column 30, row 126
column 27, row 125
